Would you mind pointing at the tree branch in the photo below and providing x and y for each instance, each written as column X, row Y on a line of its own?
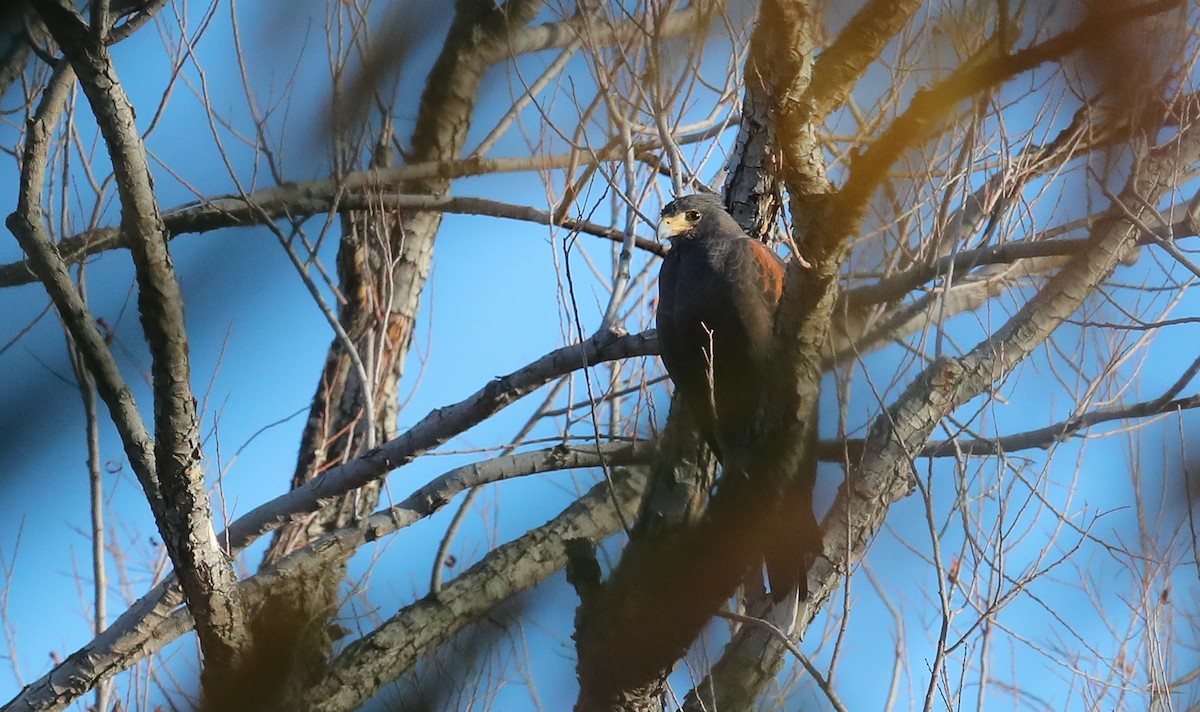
column 900, row 433
column 371, row 189
column 185, row 520
column 27, row 225
column 396, row 646
column 1043, row 438
column 556, row 35
column 929, row 106
column 810, row 295
column 148, row 626
column 846, row 59
column 434, row 429
column 126, row 639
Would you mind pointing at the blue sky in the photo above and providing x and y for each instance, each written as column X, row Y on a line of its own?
column 493, row 303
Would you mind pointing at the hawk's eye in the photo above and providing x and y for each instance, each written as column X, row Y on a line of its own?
column 693, row 216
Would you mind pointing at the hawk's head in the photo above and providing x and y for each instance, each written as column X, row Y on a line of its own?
column 696, row 216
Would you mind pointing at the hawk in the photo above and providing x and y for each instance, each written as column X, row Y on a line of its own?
column 718, row 293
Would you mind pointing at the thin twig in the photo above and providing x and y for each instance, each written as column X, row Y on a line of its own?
column 796, row 652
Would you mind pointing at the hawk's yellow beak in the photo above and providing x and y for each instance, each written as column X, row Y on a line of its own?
column 671, row 225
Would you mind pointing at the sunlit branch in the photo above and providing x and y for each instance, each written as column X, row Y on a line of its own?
column 434, row 429
column 896, row 286
column 27, row 226
column 787, row 643
column 185, row 518
column 1043, row 438
column 562, row 33
column 150, row 624
column 302, row 200
column 840, row 451
column 845, row 60
column 929, row 106
column 400, row 642
column 899, row 434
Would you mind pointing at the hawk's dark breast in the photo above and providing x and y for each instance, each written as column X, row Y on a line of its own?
column 716, row 312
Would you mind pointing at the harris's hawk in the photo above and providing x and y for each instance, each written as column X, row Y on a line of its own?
column 718, row 293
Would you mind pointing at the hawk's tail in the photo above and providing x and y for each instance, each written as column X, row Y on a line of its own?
column 792, row 546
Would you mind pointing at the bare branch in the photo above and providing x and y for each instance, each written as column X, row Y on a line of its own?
column 899, row 433
column 150, row 624
column 397, row 645
column 845, row 60
column 185, row 520
column 126, row 639
column 433, row 430
column 929, row 106
column 1042, row 438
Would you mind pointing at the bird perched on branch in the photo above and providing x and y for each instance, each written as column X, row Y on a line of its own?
column 718, row 293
